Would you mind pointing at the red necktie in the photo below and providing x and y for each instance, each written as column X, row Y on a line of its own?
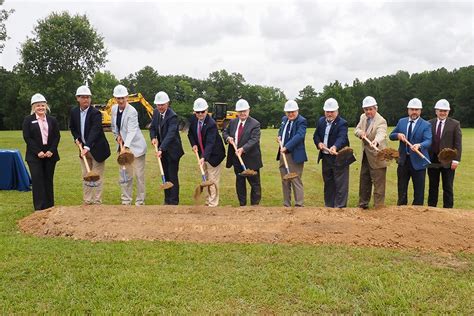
column 200, row 138
column 241, row 129
column 438, row 137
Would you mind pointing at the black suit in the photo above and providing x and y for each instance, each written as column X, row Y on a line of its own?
column 94, row 136
column 451, row 137
column 41, row 169
column 252, row 157
column 166, row 131
column 214, row 150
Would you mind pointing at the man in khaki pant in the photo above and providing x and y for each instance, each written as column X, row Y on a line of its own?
column 373, row 127
column 86, row 128
column 127, row 132
column 206, row 141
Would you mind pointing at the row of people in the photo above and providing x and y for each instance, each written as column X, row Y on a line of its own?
column 242, row 135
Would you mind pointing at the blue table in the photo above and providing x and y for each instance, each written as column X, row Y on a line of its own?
column 13, row 173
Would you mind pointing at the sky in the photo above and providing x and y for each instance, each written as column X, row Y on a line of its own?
column 284, row 44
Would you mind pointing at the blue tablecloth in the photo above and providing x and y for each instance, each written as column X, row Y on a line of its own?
column 13, row 173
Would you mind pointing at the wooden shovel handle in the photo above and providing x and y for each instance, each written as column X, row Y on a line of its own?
column 159, row 161
column 416, row 150
column 200, row 166
column 370, row 143
column 84, row 157
column 238, row 156
column 283, row 155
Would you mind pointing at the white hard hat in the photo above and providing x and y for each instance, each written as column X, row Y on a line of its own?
column 161, row 98
column 242, row 105
column 290, row 106
column 442, row 104
column 200, row 105
column 414, row 103
column 330, row 105
column 368, row 102
column 38, row 97
column 83, row 90
column 120, row 91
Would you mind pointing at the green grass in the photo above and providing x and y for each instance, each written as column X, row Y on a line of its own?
column 66, row 276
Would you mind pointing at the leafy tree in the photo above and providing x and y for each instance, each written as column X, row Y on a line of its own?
column 63, row 53
column 4, row 14
column 102, row 86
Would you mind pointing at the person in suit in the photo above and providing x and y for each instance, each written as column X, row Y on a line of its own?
column 244, row 132
column 206, row 141
column 41, row 134
column 164, row 132
column 372, row 171
column 446, row 134
column 127, row 132
column 410, row 165
column 329, row 137
column 291, row 134
column 86, row 128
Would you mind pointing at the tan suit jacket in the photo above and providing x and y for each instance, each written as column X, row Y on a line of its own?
column 377, row 131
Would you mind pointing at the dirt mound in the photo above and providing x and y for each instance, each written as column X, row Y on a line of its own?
column 422, row 228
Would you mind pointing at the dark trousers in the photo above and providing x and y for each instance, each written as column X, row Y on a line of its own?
column 447, row 176
column 171, row 168
column 241, row 187
column 336, row 184
column 404, row 173
column 42, row 175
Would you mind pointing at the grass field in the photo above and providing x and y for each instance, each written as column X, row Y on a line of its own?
column 65, row 276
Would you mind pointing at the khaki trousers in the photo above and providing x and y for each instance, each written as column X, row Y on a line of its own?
column 369, row 177
column 92, row 195
column 296, row 184
column 137, row 170
column 213, row 174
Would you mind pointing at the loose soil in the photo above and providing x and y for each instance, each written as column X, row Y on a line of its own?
column 408, row 227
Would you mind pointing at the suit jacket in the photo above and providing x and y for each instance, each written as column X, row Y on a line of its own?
column 337, row 137
column 450, row 138
column 421, row 134
column 295, row 146
column 34, row 140
column 377, row 131
column 129, row 130
column 249, row 141
column 94, row 136
column 214, row 150
column 167, row 132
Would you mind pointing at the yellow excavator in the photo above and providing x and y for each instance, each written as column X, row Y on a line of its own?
column 132, row 98
column 220, row 114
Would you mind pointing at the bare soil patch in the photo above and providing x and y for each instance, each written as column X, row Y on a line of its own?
column 408, row 227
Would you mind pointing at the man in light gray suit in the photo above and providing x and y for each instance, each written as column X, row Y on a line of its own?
column 127, row 132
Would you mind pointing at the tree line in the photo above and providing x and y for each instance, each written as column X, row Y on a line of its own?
column 65, row 51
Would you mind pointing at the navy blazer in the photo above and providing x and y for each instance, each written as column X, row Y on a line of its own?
column 93, row 132
column 34, row 140
column 250, row 142
column 337, row 137
column 167, row 133
column 421, row 134
column 214, row 150
column 295, row 146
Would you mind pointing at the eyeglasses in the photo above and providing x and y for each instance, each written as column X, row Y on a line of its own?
column 199, row 112
column 120, row 98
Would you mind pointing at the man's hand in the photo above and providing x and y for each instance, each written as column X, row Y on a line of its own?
column 78, row 142
column 48, row 154
column 415, row 147
column 195, row 148
column 41, row 155
column 362, row 134
column 374, row 143
column 321, row 146
column 154, row 141
column 119, row 139
column 201, row 162
column 283, row 150
column 159, row 153
column 333, row 150
column 240, row 151
column 278, row 139
column 84, row 152
column 454, row 165
column 230, row 140
column 401, row 137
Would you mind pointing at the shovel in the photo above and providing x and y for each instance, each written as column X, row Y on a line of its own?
column 91, row 177
column 126, row 156
column 418, row 152
column 342, row 154
column 165, row 184
column 383, row 154
column 289, row 175
column 447, row 155
column 205, row 183
column 246, row 172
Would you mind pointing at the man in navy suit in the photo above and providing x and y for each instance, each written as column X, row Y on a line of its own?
column 410, row 165
column 86, row 128
column 164, row 132
column 206, row 141
column 291, row 135
column 329, row 137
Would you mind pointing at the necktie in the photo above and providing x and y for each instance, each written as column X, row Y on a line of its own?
column 409, row 135
column 288, row 133
column 369, row 121
column 239, row 132
column 200, row 138
column 438, row 137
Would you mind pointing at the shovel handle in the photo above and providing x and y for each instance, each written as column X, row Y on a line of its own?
column 239, row 157
column 284, row 157
column 417, row 151
column 84, row 158
column 203, row 174
column 160, row 165
column 330, row 152
column 370, row 144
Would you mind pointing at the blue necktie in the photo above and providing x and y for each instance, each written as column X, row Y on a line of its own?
column 288, row 132
column 409, row 135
